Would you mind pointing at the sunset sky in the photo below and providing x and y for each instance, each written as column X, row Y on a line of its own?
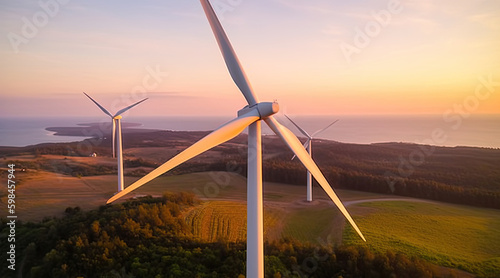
column 314, row 57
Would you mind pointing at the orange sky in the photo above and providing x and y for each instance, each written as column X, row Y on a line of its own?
column 319, row 57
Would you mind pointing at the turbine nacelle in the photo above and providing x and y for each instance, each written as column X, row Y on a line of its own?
column 263, row 109
column 117, row 117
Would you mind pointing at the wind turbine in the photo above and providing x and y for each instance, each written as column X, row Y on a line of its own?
column 117, row 136
column 307, row 145
column 250, row 116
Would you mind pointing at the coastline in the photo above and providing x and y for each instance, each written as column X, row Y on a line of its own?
column 476, row 131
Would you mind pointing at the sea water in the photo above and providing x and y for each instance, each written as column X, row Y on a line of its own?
column 476, row 130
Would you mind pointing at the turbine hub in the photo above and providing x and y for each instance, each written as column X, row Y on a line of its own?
column 117, row 117
column 265, row 109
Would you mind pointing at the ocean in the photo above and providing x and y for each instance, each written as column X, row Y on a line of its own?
column 476, row 130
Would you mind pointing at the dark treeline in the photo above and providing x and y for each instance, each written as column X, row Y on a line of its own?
column 101, row 142
column 65, row 167
column 149, row 238
column 285, row 172
column 461, row 175
column 83, row 148
column 291, row 173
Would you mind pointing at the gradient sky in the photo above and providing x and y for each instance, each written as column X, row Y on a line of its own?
column 425, row 57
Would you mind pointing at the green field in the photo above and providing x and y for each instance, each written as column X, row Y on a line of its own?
column 449, row 235
column 314, row 225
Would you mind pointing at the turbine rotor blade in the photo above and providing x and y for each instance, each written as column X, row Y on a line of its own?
column 100, row 106
column 299, row 128
column 321, row 130
column 224, row 133
column 128, row 107
column 232, row 62
column 294, row 144
column 114, row 136
column 306, row 144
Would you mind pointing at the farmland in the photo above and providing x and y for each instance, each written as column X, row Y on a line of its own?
column 455, row 236
column 448, row 235
column 218, row 220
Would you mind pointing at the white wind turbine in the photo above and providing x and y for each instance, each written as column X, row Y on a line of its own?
column 117, row 136
column 250, row 116
column 308, row 146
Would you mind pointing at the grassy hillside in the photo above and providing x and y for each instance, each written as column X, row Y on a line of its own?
column 448, row 235
column 454, row 236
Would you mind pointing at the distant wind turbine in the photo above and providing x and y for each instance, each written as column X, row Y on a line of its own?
column 117, row 136
column 250, row 116
column 308, row 146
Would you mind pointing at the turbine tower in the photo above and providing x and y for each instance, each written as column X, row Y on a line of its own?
column 117, row 137
column 308, row 146
column 250, row 116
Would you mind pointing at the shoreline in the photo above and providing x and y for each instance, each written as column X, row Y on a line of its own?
column 482, row 131
column 98, row 130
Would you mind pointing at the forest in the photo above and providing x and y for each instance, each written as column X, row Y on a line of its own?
column 148, row 237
